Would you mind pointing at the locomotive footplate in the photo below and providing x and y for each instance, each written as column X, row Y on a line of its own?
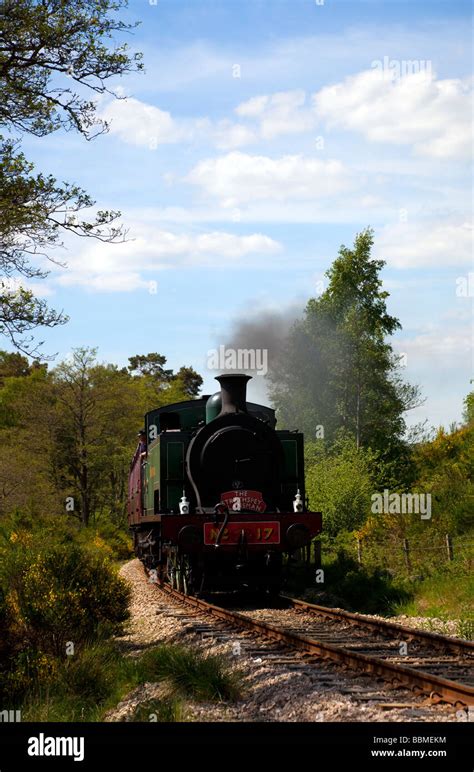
column 283, row 531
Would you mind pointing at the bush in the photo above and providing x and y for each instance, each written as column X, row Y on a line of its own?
column 357, row 588
column 58, row 593
column 106, row 534
column 339, row 483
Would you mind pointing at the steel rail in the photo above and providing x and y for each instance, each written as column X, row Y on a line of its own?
column 455, row 645
column 439, row 689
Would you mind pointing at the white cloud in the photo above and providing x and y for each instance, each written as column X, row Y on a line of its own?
column 237, row 178
column 432, row 115
column 131, row 265
column 281, row 113
column 436, row 345
column 426, row 244
column 138, row 123
column 230, row 135
column 253, row 108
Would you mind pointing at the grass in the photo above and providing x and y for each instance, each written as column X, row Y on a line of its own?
column 89, row 684
column 445, row 594
column 350, row 586
column 204, row 678
column 168, row 709
column 433, row 588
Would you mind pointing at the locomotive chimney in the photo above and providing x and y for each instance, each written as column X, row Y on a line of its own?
column 233, row 392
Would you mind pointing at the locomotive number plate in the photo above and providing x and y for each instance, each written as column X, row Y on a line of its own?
column 255, row 533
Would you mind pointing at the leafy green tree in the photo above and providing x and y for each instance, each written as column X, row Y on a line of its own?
column 151, row 365
column 340, row 482
column 468, row 414
column 167, row 386
column 341, row 373
column 49, row 51
column 71, row 432
column 189, row 381
column 51, row 54
column 27, row 441
column 95, row 413
column 12, row 364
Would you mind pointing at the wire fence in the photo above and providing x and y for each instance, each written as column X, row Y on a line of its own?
column 399, row 554
column 412, row 552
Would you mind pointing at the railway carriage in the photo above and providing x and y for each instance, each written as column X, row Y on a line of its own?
column 217, row 493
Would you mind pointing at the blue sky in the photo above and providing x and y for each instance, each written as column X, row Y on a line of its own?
column 262, row 136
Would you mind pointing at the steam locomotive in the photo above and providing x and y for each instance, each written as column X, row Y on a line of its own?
column 217, row 494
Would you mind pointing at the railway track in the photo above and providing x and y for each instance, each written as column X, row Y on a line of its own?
column 432, row 665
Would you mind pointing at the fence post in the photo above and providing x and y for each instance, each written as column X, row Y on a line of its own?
column 406, row 550
column 359, row 551
column 449, row 546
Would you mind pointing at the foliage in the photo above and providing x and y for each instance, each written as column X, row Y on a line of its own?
column 56, row 591
column 85, row 686
column 192, row 673
column 469, row 408
column 446, row 469
column 339, row 371
column 445, row 594
column 49, row 48
column 67, row 435
column 367, row 590
column 165, row 383
column 340, row 482
column 51, row 54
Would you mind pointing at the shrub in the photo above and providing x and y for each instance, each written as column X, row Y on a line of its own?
column 59, row 593
column 339, row 483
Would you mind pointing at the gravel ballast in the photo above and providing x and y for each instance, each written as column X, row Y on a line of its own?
column 278, row 685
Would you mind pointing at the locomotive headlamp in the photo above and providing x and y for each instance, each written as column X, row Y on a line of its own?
column 184, row 505
column 298, row 502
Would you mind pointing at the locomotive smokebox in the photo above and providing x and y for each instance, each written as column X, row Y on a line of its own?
column 233, row 392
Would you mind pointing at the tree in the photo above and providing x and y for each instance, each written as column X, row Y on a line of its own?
column 189, row 381
column 468, row 414
column 151, row 365
column 27, row 480
column 341, row 364
column 339, row 483
column 81, row 430
column 164, row 383
column 35, row 212
column 12, row 365
column 71, row 432
column 51, row 53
